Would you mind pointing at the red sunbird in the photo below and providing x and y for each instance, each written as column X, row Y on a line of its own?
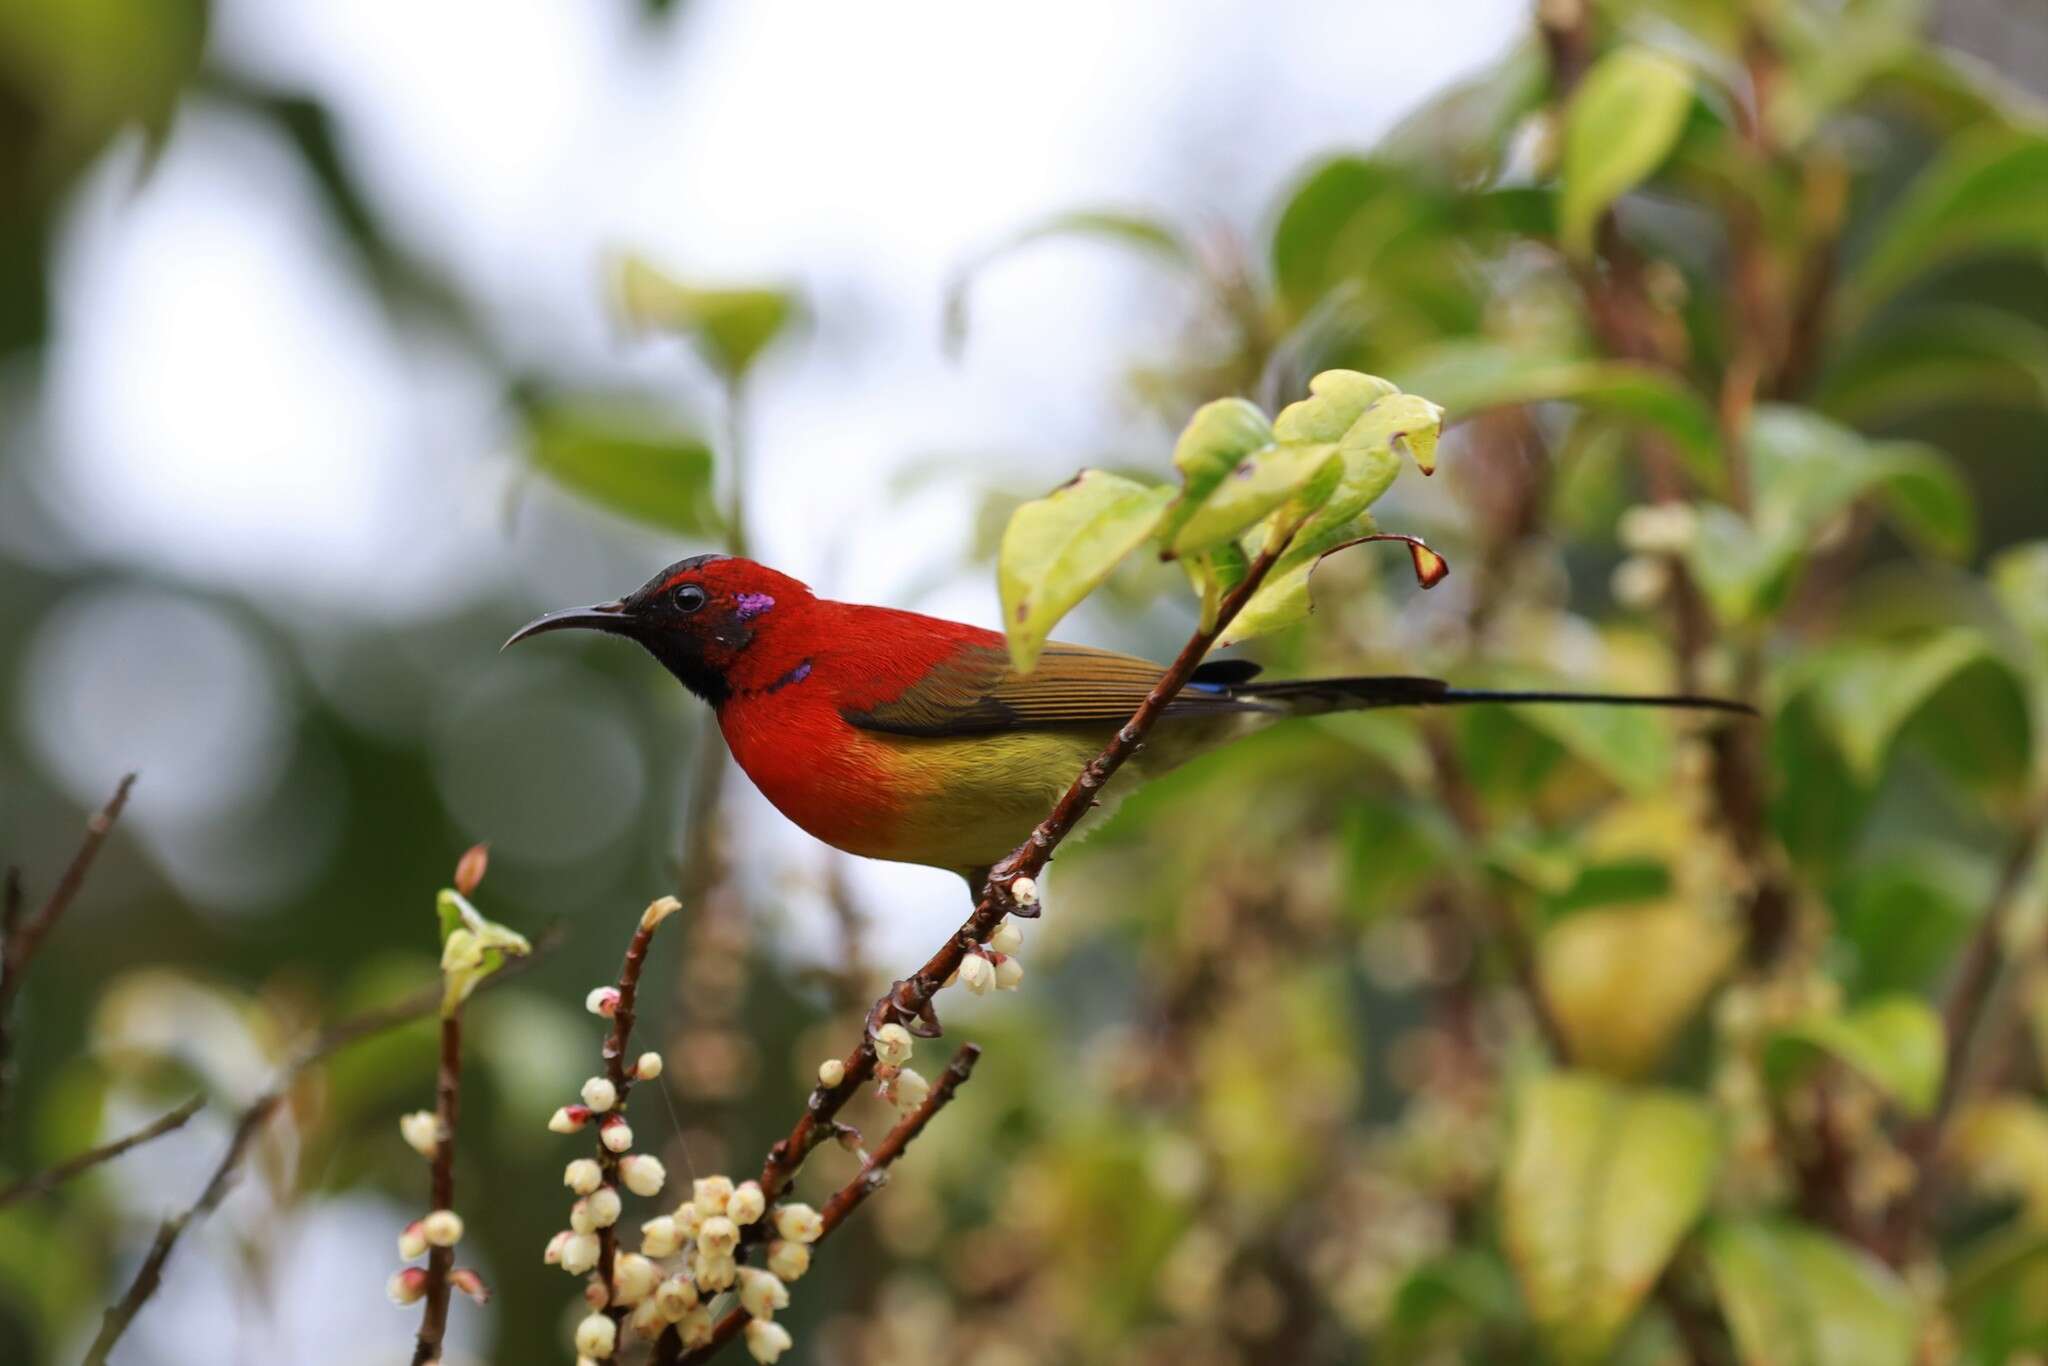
column 894, row 735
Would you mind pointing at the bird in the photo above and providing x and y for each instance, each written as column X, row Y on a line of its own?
column 893, row 735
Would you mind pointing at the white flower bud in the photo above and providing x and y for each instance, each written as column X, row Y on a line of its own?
column 696, row 1327
column 579, row 1217
column 718, row 1235
column 831, row 1072
column 600, row 1095
column 596, row 1336
column 579, row 1253
column 1007, row 938
column 602, row 1001
column 911, row 1090
column 713, row 1271
column 583, row 1175
column 1024, row 891
column 676, row 1297
column 977, row 974
column 1639, row 581
column 659, row 1238
column 1658, row 528
column 710, row 1194
column 616, row 1134
column 407, row 1286
column 569, row 1119
column 603, row 1204
column 747, row 1203
column 443, row 1228
column 788, row 1260
column 799, row 1223
column 648, row 1067
column 762, row 1292
column 596, row 1296
column 642, row 1174
column 421, row 1131
column 767, row 1340
column 633, row 1278
column 646, row 1319
column 893, row 1045
column 1009, row 973
column 553, row 1256
column 688, row 1219
column 658, row 911
column 412, row 1241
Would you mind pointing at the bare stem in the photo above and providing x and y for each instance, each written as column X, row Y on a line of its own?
column 441, row 1260
column 25, row 936
column 73, row 1166
column 621, row 1077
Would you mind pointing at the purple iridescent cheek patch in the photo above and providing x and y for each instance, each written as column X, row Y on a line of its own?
column 752, row 605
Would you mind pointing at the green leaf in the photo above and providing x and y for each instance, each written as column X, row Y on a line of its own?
column 629, row 458
column 1985, row 192
column 1622, row 123
column 1261, row 482
column 1796, row 1297
column 2001, row 1145
column 1601, row 1184
column 1465, row 132
column 1059, row 548
column 1468, row 377
column 472, row 948
column 1372, row 420
column 731, row 327
column 1954, row 357
column 1895, row 1042
column 2019, row 579
column 1804, row 472
column 1624, row 981
column 1213, row 573
column 1865, row 693
column 1218, row 438
column 1147, row 235
column 1631, row 746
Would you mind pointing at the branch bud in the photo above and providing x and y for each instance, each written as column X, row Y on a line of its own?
column 710, row 1194
column 642, row 1174
column 407, row 1286
column 762, row 1292
column 788, row 1260
column 579, row 1252
column 798, row 1223
column 719, row 1236
column 676, row 1297
column 831, row 1072
column 569, row 1118
column 659, row 1237
column 648, row 1067
column 615, row 1133
column 469, row 869
column 977, row 974
column 1024, row 891
column 893, row 1044
column 658, row 911
column 466, row 1280
column 1009, row 973
column 412, row 1241
column 602, row 1001
column 600, row 1095
column 633, row 1278
column 1007, row 938
column 421, row 1131
column 747, row 1203
column 443, row 1228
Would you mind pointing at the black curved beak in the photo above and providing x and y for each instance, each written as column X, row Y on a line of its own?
column 609, row 617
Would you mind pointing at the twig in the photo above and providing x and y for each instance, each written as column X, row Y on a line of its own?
column 873, row 1175
column 441, row 1260
column 72, row 1166
column 1962, row 1015
column 621, row 1077
column 321, row 1047
column 24, row 937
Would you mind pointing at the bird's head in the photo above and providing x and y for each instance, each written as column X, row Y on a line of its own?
column 704, row 618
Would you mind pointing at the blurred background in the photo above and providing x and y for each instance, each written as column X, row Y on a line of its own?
column 317, row 378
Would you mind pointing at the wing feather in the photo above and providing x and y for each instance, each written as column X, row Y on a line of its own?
column 974, row 691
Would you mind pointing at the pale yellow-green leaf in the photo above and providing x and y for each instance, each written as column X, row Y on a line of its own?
column 1623, row 121
column 1218, row 438
column 2000, row 1145
column 472, row 948
column 730, row 326
column 1896, row 1042
column 1601, row 1184
column 1059, row 548
column 1336, row 400
column 1623, row 981
column 1262, row 482
column 1795, row 1296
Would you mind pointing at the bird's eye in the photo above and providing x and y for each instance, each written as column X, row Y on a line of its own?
column 690, row 597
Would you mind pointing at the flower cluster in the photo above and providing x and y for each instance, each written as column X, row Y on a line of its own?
column 995, row 963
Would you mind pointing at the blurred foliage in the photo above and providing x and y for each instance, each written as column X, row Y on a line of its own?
column 1491, row 1036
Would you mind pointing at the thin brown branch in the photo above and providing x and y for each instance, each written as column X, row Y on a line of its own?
column 1963, row 1014
column 873, row 1175
column 622, row 1077
column 56, row 1176
column 318, row 1049
column 441, row 1260
column 25, row 936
